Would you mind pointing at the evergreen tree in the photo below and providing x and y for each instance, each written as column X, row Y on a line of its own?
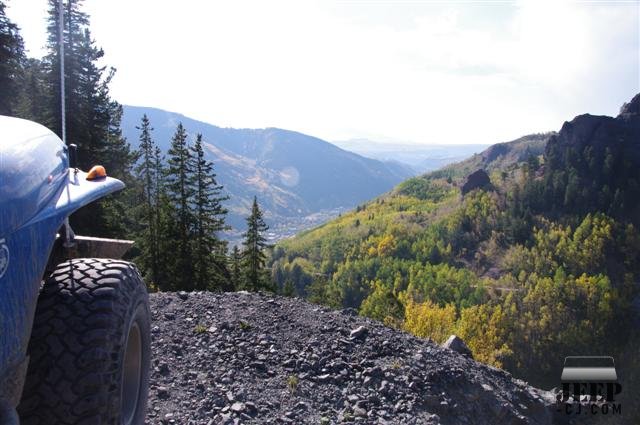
column 118, row 158
column 254, row 257
column 180, row 193
column 209, row 261
column 163, row 245
column 75, row 23
column 32, row 103
column 235, row 268
column 12, row 61
column 92, row 117
column 145, row 173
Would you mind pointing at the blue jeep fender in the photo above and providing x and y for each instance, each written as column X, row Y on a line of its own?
column 24, row 254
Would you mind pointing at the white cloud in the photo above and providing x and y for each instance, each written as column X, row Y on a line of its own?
column 425, row 72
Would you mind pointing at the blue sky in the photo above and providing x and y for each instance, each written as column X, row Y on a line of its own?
column 409, row 71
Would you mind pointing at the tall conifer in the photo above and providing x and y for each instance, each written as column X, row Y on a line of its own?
column 235, row 269
column 180, row 192
column 209, row 260
column 253, row 256
column 145, row 173
column 163, row 243
column 92, row 117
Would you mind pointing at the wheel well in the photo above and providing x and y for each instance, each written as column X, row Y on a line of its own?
column 85, row 247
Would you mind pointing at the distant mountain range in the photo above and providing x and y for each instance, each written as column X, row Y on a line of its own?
column 300, row 180
column 420, row 158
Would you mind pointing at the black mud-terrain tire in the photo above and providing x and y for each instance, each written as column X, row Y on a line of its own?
column 90, row 347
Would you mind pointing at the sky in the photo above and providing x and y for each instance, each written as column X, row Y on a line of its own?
column 394, row 71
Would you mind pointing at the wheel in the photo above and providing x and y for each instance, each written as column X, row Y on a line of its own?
column 90, row 347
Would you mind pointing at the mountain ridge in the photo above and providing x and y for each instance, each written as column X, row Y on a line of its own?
column 293, row 174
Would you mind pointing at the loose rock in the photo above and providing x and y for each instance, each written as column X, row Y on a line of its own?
column 298, row 363
column 457, row 344
column 359, row 332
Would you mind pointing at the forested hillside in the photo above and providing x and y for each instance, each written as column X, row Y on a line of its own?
column 294, row 174
column 539, row 262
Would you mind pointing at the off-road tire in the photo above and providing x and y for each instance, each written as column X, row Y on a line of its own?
column 85, row 313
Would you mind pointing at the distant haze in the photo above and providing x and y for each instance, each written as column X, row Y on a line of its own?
column 422, row 72
column 421, row 158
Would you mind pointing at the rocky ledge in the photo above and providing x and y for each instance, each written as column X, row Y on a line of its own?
column 254, row 358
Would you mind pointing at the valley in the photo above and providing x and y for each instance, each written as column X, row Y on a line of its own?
column 300, row 180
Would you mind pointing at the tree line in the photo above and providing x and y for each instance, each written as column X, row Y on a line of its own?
column 173, row 205
column 181, row 215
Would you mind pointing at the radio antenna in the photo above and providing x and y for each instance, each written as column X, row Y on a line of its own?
column 68, row 233
column 61, row 53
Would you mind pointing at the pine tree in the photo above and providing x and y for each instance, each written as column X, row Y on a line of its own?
column 180, row 194
column 162, row 244
column 119, row 160
column 235, row 269
column 12, row 61
column 92, row 117
column 32, row 104
column 209, row 260
column 254, row 257
column 145, row 173
column 75, row 23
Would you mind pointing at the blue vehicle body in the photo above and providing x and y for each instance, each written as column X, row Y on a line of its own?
column 38, row 191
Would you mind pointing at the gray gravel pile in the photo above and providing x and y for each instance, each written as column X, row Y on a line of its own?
column 253, row 358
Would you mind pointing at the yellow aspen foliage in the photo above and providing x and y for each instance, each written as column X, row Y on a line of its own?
column 382, row 304
column 482, row 329
column 429, row 320
column 590, row 241
column 387, row 245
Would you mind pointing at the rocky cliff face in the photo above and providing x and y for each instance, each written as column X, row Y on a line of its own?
column 599, row 132
column 631, row 110
column 477, row 180
column 593, row 163
column 250, row 358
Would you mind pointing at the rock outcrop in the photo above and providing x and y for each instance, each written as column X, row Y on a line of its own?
column 630, row 110
column 251, row 358
column 476, row 180
column 592, row 165
column 599, row 132
column 456, row 344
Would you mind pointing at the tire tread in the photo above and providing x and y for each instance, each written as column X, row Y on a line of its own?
column 77, row 340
